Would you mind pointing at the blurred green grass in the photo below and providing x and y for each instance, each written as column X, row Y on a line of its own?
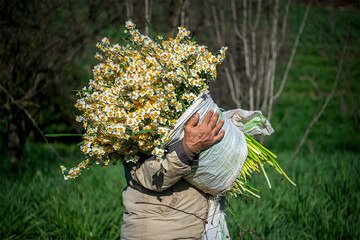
column 324, row 205
column 39, row 204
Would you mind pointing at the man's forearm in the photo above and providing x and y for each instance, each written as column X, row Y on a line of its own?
column 157, row 176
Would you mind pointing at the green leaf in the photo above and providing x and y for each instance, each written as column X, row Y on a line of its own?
column 90, row 91
column 154, row 33
column 183, row 106
column 120, row 34
column 143, row 131
column 249, row 186
column 160, row 64
column 131, row 43
column 193, row 38
column 63, row 135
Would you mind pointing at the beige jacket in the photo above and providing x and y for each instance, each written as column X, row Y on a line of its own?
column 159, row 203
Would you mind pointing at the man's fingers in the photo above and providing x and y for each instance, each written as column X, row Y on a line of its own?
column 207, row 117
column 218, row 126
column 193, row 120
column 219, row 136
column 214, row 120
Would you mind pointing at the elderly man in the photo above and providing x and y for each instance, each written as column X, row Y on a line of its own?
column 159, row 203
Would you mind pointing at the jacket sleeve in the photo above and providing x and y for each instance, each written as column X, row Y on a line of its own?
column 157, row 176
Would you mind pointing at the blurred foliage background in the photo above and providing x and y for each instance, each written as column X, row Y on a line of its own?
column 47, row 50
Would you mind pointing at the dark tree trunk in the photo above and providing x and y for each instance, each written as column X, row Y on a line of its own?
column 15, row 138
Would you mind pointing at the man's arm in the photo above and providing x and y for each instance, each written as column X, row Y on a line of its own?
column 177, row 163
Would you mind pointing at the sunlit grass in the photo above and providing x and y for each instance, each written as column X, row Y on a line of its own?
column 324, row 205
column 39, row 204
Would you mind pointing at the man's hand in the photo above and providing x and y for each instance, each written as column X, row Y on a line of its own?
column 204, row 135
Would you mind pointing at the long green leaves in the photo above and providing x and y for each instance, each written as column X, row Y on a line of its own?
column 258, row 155
column 262, row 155
column 154, row 34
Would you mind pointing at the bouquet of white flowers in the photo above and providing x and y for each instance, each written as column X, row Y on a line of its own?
column 137, row 93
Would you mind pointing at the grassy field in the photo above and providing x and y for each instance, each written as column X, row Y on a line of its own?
column 324, row 205
column 39, row 204
column 36, row 203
